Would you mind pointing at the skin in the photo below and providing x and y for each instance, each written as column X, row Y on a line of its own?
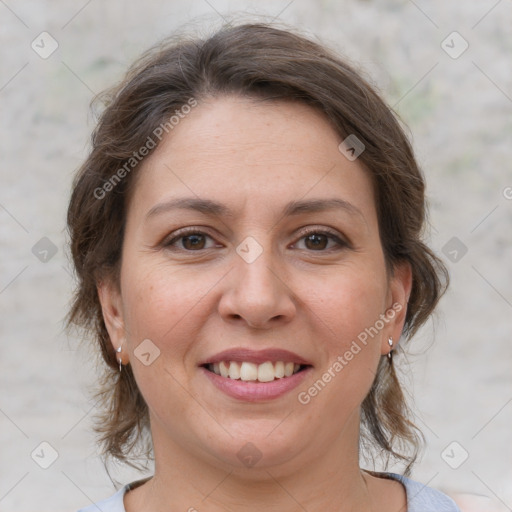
column 314, row 300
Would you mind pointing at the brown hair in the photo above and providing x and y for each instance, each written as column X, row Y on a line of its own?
column 264, row 62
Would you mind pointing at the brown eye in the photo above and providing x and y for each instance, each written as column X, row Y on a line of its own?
column 320, row 241
column 316, row 241
column 195, row 241
column 189, row 240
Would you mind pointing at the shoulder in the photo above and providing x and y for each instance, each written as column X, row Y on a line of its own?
column 421, row 498
column 113, row 504
column 116, row 502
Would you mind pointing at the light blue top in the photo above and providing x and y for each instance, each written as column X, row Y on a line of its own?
column 420, row 498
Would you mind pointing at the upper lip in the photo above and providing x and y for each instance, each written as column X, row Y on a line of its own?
column 255, row 356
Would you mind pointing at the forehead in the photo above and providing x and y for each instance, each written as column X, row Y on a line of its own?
column 249, row 152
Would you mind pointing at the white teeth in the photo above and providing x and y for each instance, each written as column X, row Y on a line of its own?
column 265, row 372
column 234, row 370
column 248, row 371
column 279, row 369
column 224, row 369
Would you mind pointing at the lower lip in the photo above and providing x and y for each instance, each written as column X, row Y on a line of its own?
column 251, row 391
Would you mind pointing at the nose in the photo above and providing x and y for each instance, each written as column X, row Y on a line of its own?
column 256, row 294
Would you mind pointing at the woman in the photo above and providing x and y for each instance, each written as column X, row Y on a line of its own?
column 247, row 236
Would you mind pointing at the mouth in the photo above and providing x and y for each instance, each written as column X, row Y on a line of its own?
column 255, row 375
column 248, row 371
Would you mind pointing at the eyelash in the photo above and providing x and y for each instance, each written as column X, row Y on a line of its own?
column 183, row 233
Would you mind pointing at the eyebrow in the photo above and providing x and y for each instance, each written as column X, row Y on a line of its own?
column 213, row 208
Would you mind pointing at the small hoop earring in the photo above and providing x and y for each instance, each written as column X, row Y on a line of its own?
column 390, row 343
column 119, row 359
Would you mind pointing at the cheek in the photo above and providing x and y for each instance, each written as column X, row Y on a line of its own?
column 349, row 301
column 160, row 301
column 347, row 306
column 165, row 306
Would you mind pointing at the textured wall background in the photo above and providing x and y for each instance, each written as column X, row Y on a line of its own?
column 457, row 102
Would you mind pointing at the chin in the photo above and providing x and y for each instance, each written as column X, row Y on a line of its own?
column 257, row 445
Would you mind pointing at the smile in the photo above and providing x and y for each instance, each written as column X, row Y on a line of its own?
column 247, row 371
column 255, row 375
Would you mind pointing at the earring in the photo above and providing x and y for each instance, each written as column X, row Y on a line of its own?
column 390, row 343
column 119, row 359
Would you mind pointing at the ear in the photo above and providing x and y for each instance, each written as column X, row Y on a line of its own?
column 111, row 306
column 400, row 285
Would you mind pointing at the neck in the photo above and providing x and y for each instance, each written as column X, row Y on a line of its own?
column 185, row 481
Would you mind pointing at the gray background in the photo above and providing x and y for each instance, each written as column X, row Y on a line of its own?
column 459, row 114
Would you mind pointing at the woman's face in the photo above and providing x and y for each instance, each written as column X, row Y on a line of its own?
column 252, row 241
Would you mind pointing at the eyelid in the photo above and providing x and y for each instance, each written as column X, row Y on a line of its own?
column 322, row 230
column 183, row 232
